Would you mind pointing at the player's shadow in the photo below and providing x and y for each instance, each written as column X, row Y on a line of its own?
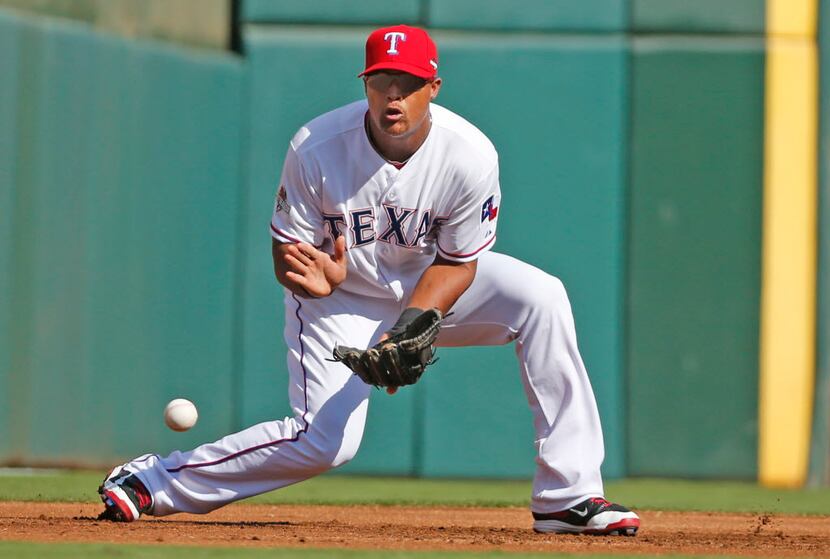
column 234, row 524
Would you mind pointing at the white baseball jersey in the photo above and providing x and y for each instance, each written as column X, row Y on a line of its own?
column 444, row 199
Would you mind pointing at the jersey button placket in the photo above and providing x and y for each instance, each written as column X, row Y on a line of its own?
column 389, row 195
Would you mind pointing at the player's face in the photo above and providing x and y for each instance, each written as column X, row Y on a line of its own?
column 399, row 102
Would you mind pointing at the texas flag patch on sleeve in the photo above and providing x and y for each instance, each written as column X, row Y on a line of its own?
column 490, row 209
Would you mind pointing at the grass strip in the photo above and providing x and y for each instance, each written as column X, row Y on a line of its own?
column 718, row 496
column 654, row 494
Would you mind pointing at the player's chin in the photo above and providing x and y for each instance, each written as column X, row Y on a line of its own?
column 397, row 128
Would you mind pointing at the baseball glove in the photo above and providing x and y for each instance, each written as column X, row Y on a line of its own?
column 398, row 360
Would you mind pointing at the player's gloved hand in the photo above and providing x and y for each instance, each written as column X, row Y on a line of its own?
column 402, row 357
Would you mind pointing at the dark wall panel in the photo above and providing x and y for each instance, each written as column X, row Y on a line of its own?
column 20, row 257
column 378, row 12
column 698, row 16
column 695, row 248
column 12, row 32
column 559, row 15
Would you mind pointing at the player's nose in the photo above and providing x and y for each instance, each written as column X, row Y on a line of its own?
column 394, row 91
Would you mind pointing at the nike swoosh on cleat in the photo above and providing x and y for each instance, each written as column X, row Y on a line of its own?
column 583, row 512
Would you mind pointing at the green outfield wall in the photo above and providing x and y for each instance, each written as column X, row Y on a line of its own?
column 336, row 12
column 583, row 189
column 137, row 182
column 698, row 16
column 10, row 53
column 582, row 16
column 119, row 254
column 528, row 15
column 694, row 256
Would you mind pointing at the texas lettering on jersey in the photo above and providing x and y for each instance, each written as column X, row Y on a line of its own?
column 361, row 226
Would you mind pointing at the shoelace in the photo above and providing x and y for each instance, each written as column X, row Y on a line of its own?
column 601, row 502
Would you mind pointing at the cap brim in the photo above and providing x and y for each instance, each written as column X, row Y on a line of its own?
column 401, row 67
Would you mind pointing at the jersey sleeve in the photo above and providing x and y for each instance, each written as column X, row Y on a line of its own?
column 297, row 215
column 470, row 228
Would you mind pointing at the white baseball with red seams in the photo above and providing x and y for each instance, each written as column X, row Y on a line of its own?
column 180, row 414
column 445, row 200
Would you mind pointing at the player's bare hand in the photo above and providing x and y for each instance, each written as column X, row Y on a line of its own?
column 317, row 272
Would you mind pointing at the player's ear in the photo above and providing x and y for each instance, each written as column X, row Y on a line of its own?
column 435, row 87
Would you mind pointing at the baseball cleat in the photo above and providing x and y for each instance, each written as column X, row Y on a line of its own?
column 594, row 516
column 125, row 497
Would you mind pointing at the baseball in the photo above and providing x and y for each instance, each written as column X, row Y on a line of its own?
column 180, row 414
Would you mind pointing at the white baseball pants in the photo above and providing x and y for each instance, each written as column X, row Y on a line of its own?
column 509, row 301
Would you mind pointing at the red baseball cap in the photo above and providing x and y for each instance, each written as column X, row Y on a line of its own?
column 403, row 48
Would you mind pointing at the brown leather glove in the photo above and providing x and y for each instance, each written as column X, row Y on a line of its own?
column 398, row 360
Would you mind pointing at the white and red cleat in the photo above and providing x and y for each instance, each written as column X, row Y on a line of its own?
column 594, row 516
column 124, row 497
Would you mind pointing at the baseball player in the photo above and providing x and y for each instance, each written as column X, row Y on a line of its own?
column 386, row 211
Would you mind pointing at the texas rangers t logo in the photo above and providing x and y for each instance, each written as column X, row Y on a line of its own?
column 393, row 37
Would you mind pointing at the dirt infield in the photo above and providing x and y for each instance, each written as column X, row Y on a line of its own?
column 414, row 528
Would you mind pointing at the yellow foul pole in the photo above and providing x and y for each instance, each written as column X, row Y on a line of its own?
column 788, row 299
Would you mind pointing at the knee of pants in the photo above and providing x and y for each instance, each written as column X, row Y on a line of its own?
column 347, row 449
column 542, row 291
column 345, row 454
column 330, row 450
column 557, row 291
